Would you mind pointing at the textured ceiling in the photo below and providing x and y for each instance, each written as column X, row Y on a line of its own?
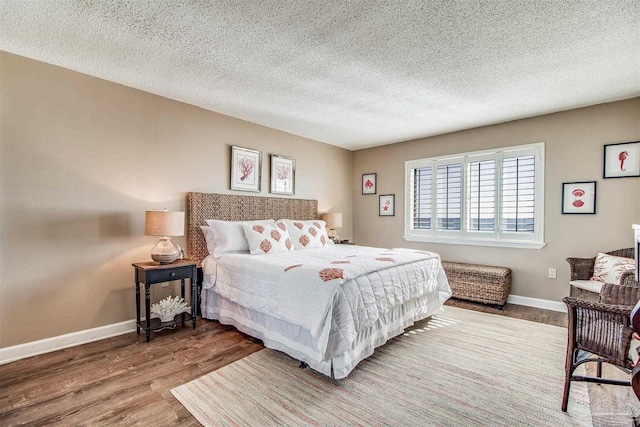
column 354, row 74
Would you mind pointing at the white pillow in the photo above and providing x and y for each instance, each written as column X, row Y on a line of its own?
column 588, row 285
column 307, row 234
column 609, row 268
column 229, row 235
column 208, row 237
column 267, row 239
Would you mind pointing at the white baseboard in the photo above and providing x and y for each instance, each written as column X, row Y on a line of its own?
column 537, row 303
column 22, row 351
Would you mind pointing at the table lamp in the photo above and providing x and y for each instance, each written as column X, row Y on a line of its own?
column 164, row 224
column 333, row 220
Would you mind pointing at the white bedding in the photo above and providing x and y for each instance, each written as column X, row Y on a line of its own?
column 319, row 304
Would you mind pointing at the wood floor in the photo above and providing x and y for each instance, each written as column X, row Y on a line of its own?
column 125, row 381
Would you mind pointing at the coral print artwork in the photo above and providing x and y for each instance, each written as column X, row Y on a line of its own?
column 369, row 183
column 622, row 160
column 579, row 197
column 283, row 175
column 246, row 165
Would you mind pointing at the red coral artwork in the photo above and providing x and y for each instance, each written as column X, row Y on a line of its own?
column 313, row 231
column 265, row 245
column 299, row 225
column 304, row 240
column 275, row 234
column 292, row 266
column 368, row 184
column 282, row 226
column 246, row 166
column 327, row 274
column 323, row 240
column 288, row 243
column 385, row 259
column 258, row 228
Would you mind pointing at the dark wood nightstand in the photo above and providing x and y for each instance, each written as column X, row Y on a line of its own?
column 150, row 273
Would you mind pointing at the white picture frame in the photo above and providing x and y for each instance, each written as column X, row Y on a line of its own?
column 246, row 169
column 283, row 175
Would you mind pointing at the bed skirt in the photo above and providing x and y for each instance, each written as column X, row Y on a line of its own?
column 340, row 358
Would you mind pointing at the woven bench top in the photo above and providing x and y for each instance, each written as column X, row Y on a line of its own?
column 475, row 268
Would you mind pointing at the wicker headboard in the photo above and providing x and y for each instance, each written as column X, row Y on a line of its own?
column 230, row 207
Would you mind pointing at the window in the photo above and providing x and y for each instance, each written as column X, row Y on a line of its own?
column 492, row 198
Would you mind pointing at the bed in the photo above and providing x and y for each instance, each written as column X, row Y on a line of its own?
column 326, row 305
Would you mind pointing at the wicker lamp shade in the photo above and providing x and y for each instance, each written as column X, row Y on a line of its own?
column 333, row 220
column 164, row 224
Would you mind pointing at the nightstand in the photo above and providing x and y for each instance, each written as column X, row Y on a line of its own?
column 344, row 242
column 151, row 273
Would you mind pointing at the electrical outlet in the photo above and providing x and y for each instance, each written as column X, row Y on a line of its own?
column 552, row 273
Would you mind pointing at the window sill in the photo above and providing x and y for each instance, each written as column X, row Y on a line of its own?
column 476, row 242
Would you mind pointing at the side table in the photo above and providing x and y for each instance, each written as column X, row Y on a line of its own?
column 150, row 273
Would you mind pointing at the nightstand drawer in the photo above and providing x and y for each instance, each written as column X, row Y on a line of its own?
column 162, row 275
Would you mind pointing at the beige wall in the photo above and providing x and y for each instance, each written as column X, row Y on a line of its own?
column 82, row 159
column 574, row 150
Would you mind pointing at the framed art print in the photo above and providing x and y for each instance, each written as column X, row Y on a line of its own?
column 387, row 205
column 622, row 160
column 246, row 167
column 579, row 197
column 369, row 183
column 283, row 175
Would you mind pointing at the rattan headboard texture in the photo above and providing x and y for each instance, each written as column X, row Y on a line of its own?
column 230, row 207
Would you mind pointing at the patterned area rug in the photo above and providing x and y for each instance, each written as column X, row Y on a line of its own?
column 458, row 368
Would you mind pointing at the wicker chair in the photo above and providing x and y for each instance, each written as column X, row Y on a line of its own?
column 600, row 332
column 582, row 269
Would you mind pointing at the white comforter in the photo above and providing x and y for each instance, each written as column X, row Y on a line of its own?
column 349, row 286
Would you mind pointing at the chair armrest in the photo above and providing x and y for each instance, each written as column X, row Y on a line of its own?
column 628, row 278
column 602, row 329
column 581, row 268
column 620, row 294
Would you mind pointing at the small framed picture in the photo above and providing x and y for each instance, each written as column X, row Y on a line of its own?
column 579, row 197
column 369, row 183
column 246, row 167
column 622, row 160
column 283, row 175
column 387, row 205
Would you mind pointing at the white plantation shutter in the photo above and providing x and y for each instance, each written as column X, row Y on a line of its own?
column 493, row 198
column 449, row 196
column 481, row 196
column 518, row 194
column 421, row 198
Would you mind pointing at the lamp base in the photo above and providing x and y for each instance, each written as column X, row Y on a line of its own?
column 164, row 251
column 333, row 235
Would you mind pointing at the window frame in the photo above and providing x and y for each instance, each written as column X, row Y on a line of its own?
column 497, row 237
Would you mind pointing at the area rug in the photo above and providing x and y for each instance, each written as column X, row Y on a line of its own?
column 458, row 368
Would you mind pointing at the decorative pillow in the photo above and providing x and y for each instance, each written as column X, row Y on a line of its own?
column 267, row 239
column 609, row 268
column 229, row 235
column 208, row 237
column 307, row 234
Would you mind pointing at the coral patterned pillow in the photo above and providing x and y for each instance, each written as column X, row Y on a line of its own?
column 609, row 268
column 307, row 234
column 267, row 239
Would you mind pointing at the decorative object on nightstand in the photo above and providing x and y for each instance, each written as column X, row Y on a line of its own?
column 151, row 273
column 164, row 224
column 333, row 220
column 166, row 309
